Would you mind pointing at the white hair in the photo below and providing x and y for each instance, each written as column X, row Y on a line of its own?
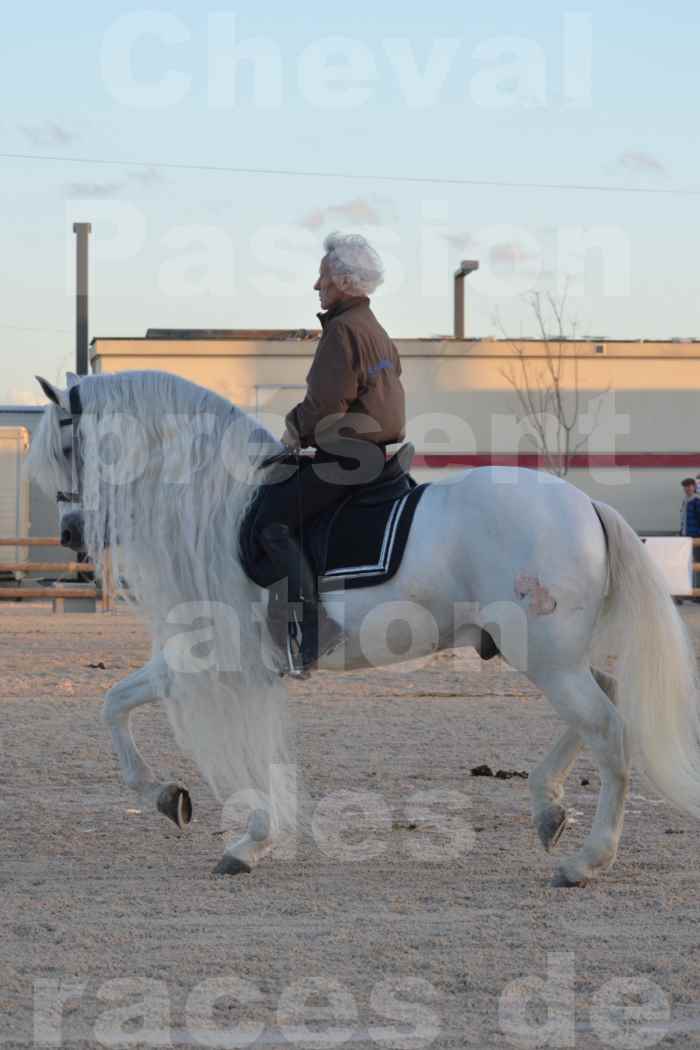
column 353, row 263
column 45, row 462
column 188, row 467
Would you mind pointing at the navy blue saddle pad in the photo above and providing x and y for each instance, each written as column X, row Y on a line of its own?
column 360, row 542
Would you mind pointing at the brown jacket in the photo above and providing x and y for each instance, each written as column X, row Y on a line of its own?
column 356, row 369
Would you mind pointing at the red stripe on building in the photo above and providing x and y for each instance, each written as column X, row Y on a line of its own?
column 582, row 460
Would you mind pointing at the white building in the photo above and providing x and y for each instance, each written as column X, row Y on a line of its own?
column 639, row 399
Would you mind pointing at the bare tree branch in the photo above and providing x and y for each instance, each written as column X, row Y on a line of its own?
column 548, row 394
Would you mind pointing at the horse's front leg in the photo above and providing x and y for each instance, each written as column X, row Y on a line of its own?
column 241, row 855
column 145, row 686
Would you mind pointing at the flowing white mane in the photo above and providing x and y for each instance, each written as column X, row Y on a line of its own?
column 45, row 463
column 169, row 469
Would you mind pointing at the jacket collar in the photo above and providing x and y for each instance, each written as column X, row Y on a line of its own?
column 341, row 307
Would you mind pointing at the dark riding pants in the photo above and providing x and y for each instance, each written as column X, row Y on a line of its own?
column 315, row 485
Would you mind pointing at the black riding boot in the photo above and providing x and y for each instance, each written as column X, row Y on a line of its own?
column 298, row 622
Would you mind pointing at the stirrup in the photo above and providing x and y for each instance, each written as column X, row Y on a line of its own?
column 299, row 660
column 295, row 640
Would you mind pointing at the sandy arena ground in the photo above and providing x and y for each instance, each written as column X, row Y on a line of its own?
column 94, row 891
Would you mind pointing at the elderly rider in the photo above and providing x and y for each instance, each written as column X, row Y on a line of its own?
column 353, row 409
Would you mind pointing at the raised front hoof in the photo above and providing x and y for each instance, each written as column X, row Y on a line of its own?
column 551, row 825
column 562, row 880
column 174, row 802
column 229, row 865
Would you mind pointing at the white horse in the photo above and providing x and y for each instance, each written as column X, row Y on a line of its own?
column 521, row 553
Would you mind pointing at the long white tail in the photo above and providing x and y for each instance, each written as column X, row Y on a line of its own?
column 656, row 670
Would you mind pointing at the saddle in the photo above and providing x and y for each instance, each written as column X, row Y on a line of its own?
column 357, row 543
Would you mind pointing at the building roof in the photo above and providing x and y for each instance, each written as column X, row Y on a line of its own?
column 233, row 333
column 238, row 342
column 22, row 409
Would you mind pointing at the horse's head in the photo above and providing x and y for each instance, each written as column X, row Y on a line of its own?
column 55, row 459
column 144, row 462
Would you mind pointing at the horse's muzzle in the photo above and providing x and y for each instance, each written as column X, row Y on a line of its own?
column 72, row 534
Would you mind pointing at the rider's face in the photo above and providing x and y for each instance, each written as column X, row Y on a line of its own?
column 328, row 292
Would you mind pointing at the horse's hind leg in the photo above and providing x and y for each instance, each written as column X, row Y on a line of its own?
column 587, row 709
column 547, row 780
column 143, row 687
column 547, row 788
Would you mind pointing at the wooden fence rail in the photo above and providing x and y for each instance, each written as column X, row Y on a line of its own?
column 30, row 541
column 46, row 566
column 62, row 589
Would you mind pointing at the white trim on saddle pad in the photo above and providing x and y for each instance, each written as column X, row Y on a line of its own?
column 387, row 548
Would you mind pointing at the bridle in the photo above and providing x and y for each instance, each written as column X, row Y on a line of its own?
column 73, row 421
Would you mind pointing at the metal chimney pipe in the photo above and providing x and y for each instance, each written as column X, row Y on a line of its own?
column 467, row 266
column 82, row 231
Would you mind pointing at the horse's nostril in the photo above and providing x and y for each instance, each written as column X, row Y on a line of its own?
column 65, row 538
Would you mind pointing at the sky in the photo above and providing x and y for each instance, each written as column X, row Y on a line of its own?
column 212, row 149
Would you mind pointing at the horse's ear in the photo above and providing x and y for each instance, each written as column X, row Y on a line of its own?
column 71, row 379
column 53, row 393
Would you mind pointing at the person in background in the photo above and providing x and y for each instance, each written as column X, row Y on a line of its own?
column 690, row 509
column 690, row 518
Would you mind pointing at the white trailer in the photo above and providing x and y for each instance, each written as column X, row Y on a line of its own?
column 14, row 490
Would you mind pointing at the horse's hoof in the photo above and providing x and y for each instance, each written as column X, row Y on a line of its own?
column 175, row 803
column 551, row 826
column 561, row 880
column 230, row 865
column 487, row 647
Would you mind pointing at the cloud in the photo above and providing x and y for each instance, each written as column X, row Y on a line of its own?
column 502, row 255
column 94, row 189
column 357, row 212
column 47, row 134
column 460, row 240
column 314, row 142
column 509, row 253
column 147, row 177
column 215, row 207
column 640, row 162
